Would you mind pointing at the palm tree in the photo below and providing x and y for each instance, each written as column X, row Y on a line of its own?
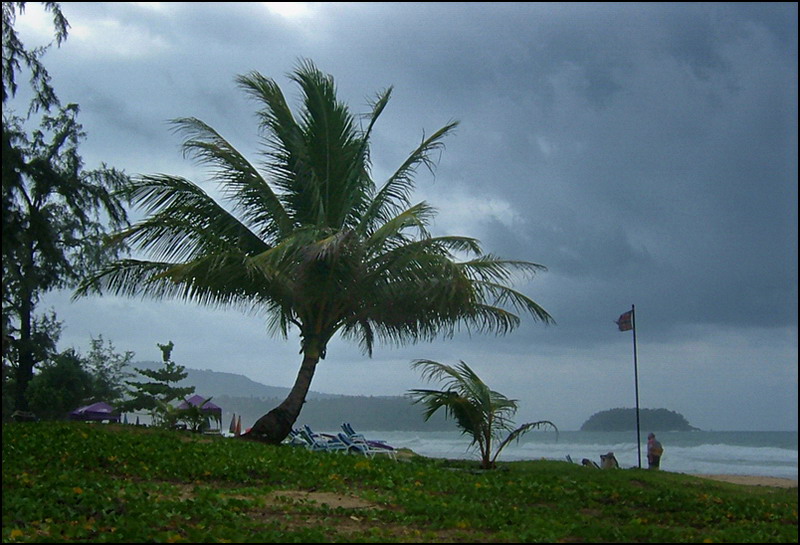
column 477, row 409
column 309, row 240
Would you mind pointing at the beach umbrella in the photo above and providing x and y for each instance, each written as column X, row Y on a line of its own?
column 232, row 427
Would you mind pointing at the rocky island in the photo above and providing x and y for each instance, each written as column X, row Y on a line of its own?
column 624, row 419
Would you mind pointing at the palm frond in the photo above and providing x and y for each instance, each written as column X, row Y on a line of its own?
column 490, row 267
column 126, row 277
column 456, row 406
column 393, row 229
column 287, row 158
column 491, row 276
column 321, row 160
column 501, row 295
column 253, row 198
column 275, row 118
column 401, row 257
column 395, row 193
column 184, row 222
column 520, row 431
column 378, row 105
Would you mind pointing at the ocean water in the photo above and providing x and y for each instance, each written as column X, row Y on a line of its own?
column 768, row 454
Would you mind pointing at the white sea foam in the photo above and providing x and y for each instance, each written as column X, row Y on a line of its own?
column 734, row 453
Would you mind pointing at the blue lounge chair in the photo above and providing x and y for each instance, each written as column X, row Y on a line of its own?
column 359, row 437
column 321, row 436
column 319, row 443
column 363, row 447
column 296, row 439
column 348, row 429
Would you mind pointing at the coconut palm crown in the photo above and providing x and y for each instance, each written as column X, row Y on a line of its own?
column 307, row 239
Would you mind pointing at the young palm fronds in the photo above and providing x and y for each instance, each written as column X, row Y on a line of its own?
column 479, row 411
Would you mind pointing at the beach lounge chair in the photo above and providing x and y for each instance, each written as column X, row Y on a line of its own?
column 608, row 461
column 296, row 439
column 319, row 443
column 321, row 436
column 348, row 429
column 359, row 437
column 590, row 463
column 363, row 447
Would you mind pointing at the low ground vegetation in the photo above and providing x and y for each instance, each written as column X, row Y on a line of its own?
column 93, row 482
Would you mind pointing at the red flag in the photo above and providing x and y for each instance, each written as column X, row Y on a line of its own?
column 625, row 321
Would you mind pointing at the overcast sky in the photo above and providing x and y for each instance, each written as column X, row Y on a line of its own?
column 644, row 153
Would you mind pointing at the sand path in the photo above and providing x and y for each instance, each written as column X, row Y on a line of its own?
column 753, row 480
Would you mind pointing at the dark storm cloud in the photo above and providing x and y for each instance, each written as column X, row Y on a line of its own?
column 649, row 144
column 670, row 152
column 645, row 153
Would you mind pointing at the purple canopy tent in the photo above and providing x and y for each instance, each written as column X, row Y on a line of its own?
column 209, row 410
column 197, row 401
column 96, row 411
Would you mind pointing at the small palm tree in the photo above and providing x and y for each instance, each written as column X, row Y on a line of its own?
column 197, row 417
column 477, row 409
column 307, row 239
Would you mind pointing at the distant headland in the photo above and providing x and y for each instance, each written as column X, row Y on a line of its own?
column 624, row 419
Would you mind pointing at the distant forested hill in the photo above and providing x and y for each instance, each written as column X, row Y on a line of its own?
column 391, row 413
column 216, row 383
column 624, row 419
column 325, row 412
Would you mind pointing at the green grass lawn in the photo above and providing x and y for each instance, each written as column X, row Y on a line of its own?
column 88, row 482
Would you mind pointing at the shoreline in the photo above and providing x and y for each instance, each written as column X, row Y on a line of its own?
column 750, row 480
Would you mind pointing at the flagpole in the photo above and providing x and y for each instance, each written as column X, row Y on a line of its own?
column 636, row 380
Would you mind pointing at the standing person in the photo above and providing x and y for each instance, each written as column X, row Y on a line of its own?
column 654, row 451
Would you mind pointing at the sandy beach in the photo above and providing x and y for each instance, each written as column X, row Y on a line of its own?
column 752, row 480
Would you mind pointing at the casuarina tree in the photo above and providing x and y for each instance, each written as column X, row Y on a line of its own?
column 308, row 239
column 156, row 394
column 55, row 213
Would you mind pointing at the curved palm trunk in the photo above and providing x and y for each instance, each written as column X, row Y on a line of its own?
column 275, row 426
column 486, row 447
